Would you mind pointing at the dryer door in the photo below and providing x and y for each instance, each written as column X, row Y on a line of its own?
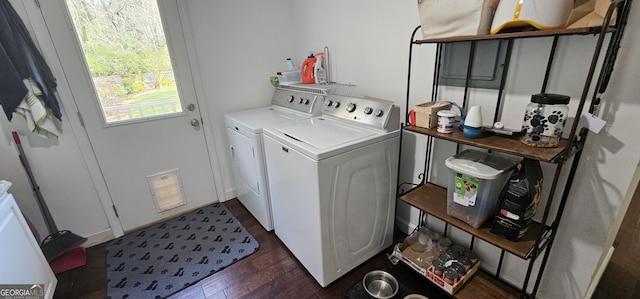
column 244, row 160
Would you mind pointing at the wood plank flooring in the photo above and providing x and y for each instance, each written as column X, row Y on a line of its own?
column 271, row 272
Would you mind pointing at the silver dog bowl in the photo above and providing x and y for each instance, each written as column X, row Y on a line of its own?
column 380, row 284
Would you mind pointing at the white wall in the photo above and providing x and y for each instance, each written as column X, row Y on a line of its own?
column 368, row 41
column 238, row 46
column 608, row 164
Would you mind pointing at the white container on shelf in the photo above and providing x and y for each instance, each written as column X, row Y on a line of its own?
column 474, row 117
column 289, row 77
column 446, row 121
column 475, row 183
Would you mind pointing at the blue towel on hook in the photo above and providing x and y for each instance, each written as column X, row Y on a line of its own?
column 20, row 59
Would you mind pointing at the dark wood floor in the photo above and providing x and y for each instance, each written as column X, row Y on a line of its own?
column 271, row 272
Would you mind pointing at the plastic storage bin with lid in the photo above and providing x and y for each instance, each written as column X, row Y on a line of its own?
column 475, row 183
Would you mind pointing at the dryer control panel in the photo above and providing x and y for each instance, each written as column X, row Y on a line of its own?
column 300, row 101
column 380, row 114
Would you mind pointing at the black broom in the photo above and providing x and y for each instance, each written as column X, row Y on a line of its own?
column 58, row 241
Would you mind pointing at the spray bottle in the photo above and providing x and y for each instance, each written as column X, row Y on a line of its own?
column 318, row 71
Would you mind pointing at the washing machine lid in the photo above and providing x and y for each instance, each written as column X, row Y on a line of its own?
column 322, row 133
column 257, row 119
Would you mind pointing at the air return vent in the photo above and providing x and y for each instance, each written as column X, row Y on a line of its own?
column 166, row 189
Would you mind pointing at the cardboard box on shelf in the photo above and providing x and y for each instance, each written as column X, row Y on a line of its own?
column 426, row 113
column 589, row 13
column 404, row 253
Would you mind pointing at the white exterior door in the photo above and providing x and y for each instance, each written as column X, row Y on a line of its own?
column 145, row 161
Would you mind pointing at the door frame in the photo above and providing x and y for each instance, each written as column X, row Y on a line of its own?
column 43, row 40
column 201, row 99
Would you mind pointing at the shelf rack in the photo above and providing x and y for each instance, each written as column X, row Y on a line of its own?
column 506, row 145
column 431, row 200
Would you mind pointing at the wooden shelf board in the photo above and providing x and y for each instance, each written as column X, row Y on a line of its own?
column 508, row 145
column 483, row 285
column 514, row 35
column 479, row 286
column 432, row 200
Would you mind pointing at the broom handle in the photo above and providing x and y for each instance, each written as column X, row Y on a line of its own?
column 51, row 225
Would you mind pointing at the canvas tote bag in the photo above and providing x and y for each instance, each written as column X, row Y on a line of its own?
column 446, row 18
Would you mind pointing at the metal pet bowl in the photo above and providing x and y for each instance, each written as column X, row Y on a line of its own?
column 380, row 284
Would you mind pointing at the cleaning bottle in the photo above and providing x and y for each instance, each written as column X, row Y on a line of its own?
column 318, row 71
column 290, row 65
column 307, row 70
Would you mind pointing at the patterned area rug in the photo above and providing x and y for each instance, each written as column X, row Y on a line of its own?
column 165, row 258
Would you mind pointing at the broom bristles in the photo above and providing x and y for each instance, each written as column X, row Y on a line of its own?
column 57, row 243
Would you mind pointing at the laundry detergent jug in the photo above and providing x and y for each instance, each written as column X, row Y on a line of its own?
column 307, row 69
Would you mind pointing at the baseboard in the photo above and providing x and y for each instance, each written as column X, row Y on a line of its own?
column 229, row 194
column 598, row 274
column 99, row 238
column 404, row 225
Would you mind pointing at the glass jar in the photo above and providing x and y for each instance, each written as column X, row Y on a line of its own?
column 544, row 119
column 450, row 276
column 438, row 267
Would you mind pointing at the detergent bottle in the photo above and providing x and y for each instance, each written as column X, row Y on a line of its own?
column 319, row 72
column 307, row 69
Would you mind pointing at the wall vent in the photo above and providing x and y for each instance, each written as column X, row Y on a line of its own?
column 166, row 189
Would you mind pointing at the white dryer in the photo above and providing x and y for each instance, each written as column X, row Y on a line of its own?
column 332, row 180
column 244, row 132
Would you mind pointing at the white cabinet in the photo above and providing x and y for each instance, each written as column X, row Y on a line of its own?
column 21, row 258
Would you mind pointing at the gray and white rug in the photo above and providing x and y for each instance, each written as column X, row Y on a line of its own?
column 165, row 258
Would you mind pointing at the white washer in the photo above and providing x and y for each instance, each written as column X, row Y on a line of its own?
column 332, row 180
column 244, row 132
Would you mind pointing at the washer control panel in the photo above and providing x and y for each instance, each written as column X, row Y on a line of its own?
column 371, row 112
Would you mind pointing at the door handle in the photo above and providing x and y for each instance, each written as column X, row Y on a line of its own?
column 233, row 152
column 191, row 107
column 195, row 122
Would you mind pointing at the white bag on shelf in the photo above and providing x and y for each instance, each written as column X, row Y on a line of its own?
column 445, row 18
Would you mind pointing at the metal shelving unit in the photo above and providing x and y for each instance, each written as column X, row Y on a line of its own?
column 538, row 241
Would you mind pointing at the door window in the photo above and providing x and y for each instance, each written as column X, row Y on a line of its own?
column 127, row 55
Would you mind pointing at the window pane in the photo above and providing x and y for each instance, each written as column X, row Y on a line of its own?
column 128, row 58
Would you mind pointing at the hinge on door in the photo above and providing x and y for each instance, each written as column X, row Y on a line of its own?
column 115, row 211
column 37, row 3
column 80, row 117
